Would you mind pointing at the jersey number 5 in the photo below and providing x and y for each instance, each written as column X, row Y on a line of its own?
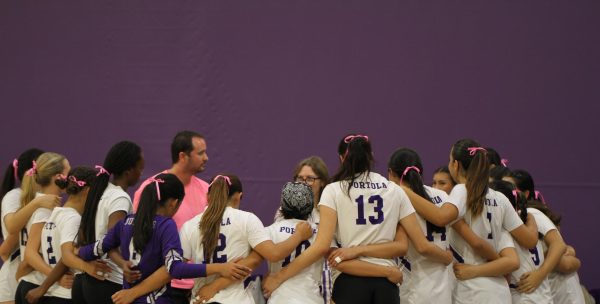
column 377, row 203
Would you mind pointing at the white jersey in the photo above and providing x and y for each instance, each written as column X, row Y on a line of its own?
column 11, row 202
column 566, row 288
column 40, row 215
column 370, row 214
column 532, row 259
column 426, row 281
column 61, row 228
column 497, row 218
column 113, row 199
column 304, row 286
column 240, row 232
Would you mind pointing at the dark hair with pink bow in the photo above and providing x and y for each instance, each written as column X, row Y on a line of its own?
column 357, row 158
column 515, row 197
column 407, row 165
column 526, row 185
column 77, row 180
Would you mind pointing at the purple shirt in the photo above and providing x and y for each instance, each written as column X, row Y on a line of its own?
column 163, row 249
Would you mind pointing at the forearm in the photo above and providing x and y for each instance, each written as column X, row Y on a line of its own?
column 16, row 221
column 436, row 254
column 307, row 258
column 182, row 270
column 485, row 250
column 115, row 256
column 495, row 268
column 427, row 210
column 155, row 281
column 532, row 233
column 553, row 257
column 387, row 250
column 57, row 272
column 35, row 260
column 252, row 261
column 277, row 252
column 568, row 264
column 9, row 245
column 364, row 269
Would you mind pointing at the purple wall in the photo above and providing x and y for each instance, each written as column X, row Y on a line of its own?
column 270, row 82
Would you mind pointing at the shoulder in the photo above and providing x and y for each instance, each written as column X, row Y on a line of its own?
column 198, row 182
column 114, row 192
column 12, row 195
column 191, row 223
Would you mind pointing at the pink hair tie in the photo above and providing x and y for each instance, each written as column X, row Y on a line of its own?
column 226, row 178
column 350, row 138
column 541, row 197
column 15, row 165
column 473, row 150
column 157, row 181
column 101, row 171
column 33, row 169
column 61, row 177
column 77, row 182
column 406, row 172
column 504, row 162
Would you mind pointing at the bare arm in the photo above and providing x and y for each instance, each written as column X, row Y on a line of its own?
column 16, row 221
column 56, row 274
column 569, row 263
column 277, row 252
column 388, row 250
column 366, row 269
column 479, row 245
column 32, row 254
column 8, row 246
column 424, row 247
column 156, row 280
column 439, row 216
column 530, row 281
column 526, row 235
column 507, row 263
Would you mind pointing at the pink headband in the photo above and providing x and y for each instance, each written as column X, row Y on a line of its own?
column 77, row 182
column 350, row 138
column 157, row 181
column 101, row 171
column 406, row 172
column 15, row 167
column 226, row 178
column 541, row 197
column 33, row 169
column 504, row 162
column 473, row 150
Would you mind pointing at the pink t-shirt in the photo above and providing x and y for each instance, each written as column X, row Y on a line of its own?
column 193, row 204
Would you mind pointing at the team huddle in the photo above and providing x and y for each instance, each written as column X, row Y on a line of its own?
column 480, row 234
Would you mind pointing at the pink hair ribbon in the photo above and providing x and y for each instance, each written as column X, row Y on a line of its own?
column 541, row 197
column 77, row 182
column 33, row 169
column 406, row 172
column 504, row 162
column 473, row 150
column 157, row 181
column 15, row 167
column 101, row 171
column 350, row 138
column 226, row 178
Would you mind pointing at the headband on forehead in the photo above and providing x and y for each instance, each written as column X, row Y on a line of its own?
column 101, row 170
column 473, row 150
column 15, row 165
column 406, row 172
column 157, row 181
column 33, row 169
column 226, row 178
column 350, row 138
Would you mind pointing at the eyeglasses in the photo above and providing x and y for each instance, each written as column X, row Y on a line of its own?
column 309, row 180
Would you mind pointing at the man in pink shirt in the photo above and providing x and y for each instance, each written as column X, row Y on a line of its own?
column 188, row 153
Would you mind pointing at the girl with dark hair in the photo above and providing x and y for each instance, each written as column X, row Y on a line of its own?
column 224, row 233
column 150, row 240
column 106, row 204
column 424, row 281
column 364, row 208
column 442, row 180
column 529, row 283
column 524, row 182
column 10, row 195
column 47, row 169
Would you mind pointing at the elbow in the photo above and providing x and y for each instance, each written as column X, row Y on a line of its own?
column 530, row 242
column 513, row 264
column 401, row 249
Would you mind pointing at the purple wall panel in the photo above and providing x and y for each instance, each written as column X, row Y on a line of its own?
column 271, row 82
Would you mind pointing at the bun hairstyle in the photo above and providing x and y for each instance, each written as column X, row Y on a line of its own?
column 473, row 160
column 42, row 171
column 157, row 193
column 77, row 180
column 357, row 156
column 517, row 199
column 221, row 189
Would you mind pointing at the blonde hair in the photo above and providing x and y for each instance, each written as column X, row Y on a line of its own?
column 47, row 165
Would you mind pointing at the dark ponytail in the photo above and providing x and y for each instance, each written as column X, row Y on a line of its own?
column 516, row 198
column 121, row 157
column 77, row 180
column 473, row 160
column 15, row 171
column 524, row 182
column 357, row 158
column 404, row 158
column 143, row 224
column 221, row 188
